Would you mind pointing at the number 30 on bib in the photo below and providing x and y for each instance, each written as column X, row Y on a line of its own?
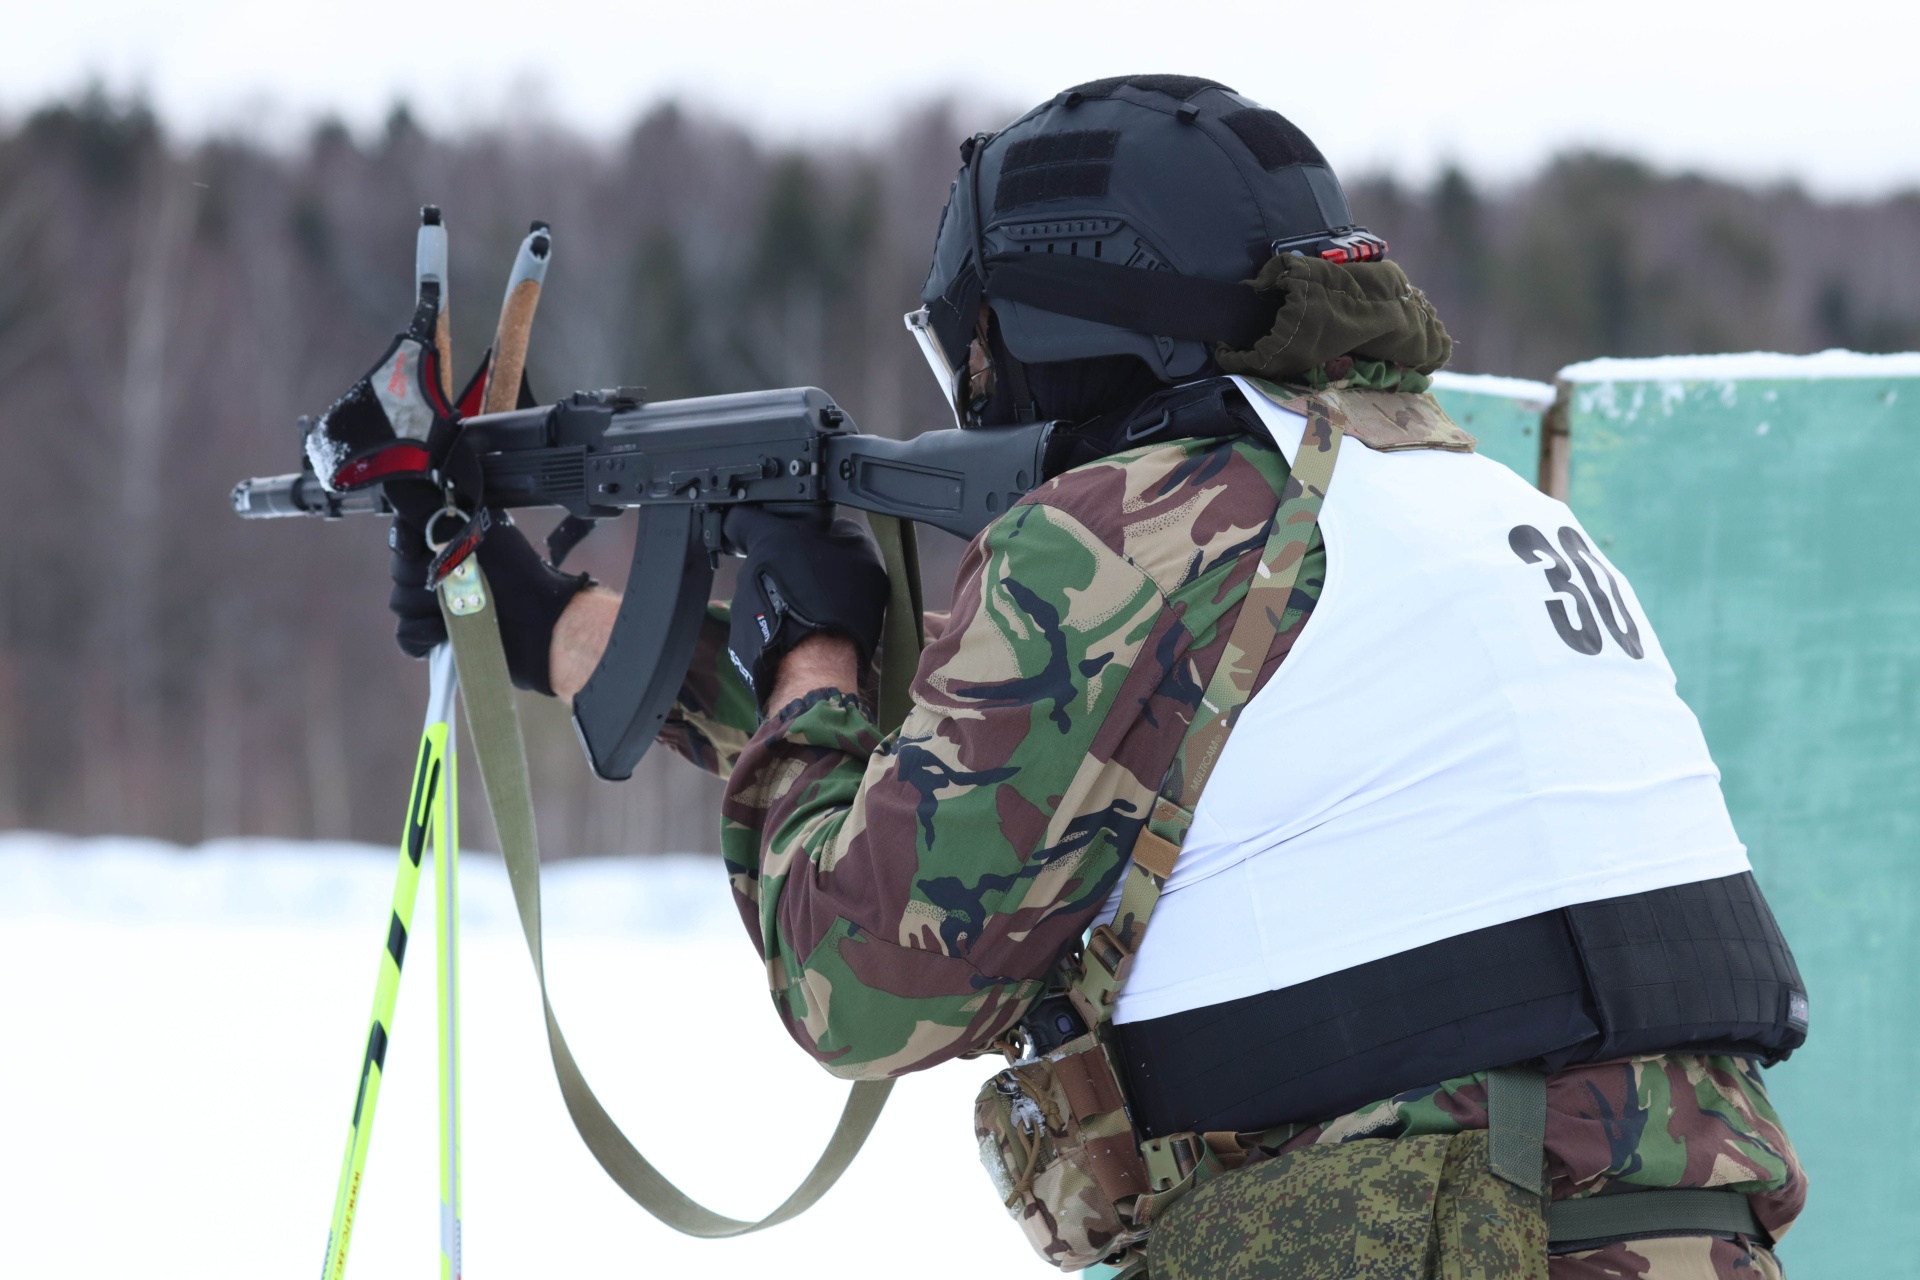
column 1582, row 636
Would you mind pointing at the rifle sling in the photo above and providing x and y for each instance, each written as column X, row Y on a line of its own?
column 904, row 635
column 501, row 753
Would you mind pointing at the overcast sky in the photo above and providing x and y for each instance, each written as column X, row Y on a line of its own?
column 1823, row 93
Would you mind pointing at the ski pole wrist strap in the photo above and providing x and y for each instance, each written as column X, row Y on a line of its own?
column 1110, row 948
column 473, row 627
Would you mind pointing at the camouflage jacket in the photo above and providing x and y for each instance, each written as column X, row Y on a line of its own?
column 910, row 895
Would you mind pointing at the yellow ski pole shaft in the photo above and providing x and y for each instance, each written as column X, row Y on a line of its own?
column 425, row 801
column 425, row 806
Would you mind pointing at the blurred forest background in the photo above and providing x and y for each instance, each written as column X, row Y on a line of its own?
column 168, row 309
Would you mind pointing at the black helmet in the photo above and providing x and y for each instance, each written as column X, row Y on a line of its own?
column 1119, row 219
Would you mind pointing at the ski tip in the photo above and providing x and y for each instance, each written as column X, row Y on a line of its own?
column 429, row 215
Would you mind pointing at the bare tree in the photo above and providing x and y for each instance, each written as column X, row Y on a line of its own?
column 167, row 311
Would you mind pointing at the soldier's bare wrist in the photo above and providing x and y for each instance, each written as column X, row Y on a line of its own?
column 819, row 661
column 579, row 639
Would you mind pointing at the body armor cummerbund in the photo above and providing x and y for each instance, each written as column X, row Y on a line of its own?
column 1696, row 968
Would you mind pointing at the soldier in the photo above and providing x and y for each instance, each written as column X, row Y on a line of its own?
column 1462, row 853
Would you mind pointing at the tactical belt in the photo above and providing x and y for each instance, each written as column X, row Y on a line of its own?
column 466, row 602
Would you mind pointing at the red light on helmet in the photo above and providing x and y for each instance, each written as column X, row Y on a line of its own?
column 1350, row 244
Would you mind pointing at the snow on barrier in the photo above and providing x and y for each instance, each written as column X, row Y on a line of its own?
column 1502, row 413
column 1764, row 507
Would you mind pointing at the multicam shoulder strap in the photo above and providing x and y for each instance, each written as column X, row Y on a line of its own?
column 1162, row 1164
column 1110, row 950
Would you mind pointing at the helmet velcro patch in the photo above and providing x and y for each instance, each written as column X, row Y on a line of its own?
column 1274, row 140
column 1056, row 166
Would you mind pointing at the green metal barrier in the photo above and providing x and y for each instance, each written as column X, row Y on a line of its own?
column 1502, row 413
column 1765, row 508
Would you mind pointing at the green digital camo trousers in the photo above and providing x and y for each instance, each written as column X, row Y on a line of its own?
column 1402, row 1208
column 1400, row 1188
column 1424, row 1208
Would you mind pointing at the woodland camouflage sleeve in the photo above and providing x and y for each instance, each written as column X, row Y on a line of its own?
column 909, row 895
column 715, row 714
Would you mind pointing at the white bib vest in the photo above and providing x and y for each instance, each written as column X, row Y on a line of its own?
column 1462, row 736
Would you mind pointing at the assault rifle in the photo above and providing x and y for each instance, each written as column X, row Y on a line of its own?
column 682, row 463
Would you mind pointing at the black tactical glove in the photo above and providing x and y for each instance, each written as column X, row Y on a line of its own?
column 529, row 594
column 394, row 428
column 801, row 576
column 393, row 422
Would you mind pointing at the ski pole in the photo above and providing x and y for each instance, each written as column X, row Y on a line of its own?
column 428, row 812
column 425, row 803
column 446, row 877
column 505, row 364
column 504, row 368
column 516, row 320
column 431, row 273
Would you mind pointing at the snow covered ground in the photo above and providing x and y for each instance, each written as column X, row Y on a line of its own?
column 183, row 1030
